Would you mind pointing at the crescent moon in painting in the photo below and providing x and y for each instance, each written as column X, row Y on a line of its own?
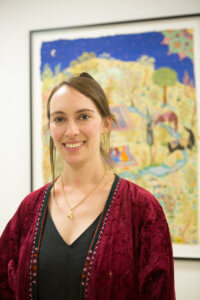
column 53, row 52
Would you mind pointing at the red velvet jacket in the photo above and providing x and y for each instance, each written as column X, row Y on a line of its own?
column 130, row 256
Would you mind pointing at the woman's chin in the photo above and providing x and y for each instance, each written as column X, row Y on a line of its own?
column 74, row 162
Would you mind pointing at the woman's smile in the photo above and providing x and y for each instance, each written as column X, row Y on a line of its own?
column 73, row 146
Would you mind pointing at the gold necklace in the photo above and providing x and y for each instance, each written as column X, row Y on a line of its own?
column 70, row 213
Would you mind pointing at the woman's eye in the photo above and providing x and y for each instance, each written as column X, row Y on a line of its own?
column 84, row 117
column 58, row 119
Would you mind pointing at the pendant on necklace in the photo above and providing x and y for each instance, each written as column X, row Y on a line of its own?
column 70, row 214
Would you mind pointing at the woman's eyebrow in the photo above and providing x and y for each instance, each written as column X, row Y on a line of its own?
column 77, row 112
column 84, row 110
column 57, row 112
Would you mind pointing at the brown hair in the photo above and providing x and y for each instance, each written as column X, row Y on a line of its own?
column 86, row 85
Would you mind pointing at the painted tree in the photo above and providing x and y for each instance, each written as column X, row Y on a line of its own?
column 165, row 77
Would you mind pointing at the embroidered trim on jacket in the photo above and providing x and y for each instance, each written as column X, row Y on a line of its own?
column 96, row 240
column 35, row 247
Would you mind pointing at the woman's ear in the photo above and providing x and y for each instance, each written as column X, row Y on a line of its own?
column 106, row 126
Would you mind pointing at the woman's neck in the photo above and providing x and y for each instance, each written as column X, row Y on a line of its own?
column 78, row 176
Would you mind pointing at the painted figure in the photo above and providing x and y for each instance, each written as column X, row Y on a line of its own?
column 171, row 117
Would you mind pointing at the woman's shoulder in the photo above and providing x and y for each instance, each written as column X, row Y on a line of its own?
column 36, row 196
column 140, row 198
column 136, row 190
column 26, row 210
column 37, row 192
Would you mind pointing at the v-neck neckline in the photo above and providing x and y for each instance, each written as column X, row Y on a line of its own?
column 78, row 238
column 100, row 215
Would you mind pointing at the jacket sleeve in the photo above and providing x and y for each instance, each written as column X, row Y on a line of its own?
column 9, row 253
column 156, row 267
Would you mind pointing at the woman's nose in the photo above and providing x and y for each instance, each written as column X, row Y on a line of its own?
column 72, row 129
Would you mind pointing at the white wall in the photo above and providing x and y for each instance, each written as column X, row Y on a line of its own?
column 16, row 19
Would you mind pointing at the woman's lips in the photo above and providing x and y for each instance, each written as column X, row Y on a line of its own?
column 73, row 146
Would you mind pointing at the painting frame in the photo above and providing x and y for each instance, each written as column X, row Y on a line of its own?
column 185, row 252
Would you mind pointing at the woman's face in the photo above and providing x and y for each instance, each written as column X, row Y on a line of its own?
column 75, row 126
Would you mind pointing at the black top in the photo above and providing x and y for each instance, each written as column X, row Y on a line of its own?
column 60, row 265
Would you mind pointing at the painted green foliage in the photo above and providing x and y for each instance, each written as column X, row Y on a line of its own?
column 165, row 77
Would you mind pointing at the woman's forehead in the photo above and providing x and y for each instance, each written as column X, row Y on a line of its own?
column 67, row 97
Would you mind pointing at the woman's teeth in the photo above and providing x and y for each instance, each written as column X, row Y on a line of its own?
column 74, row 145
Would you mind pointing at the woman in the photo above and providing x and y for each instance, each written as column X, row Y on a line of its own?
column 90, row 234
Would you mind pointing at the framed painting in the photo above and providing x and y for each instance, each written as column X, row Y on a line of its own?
column 149, row 70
